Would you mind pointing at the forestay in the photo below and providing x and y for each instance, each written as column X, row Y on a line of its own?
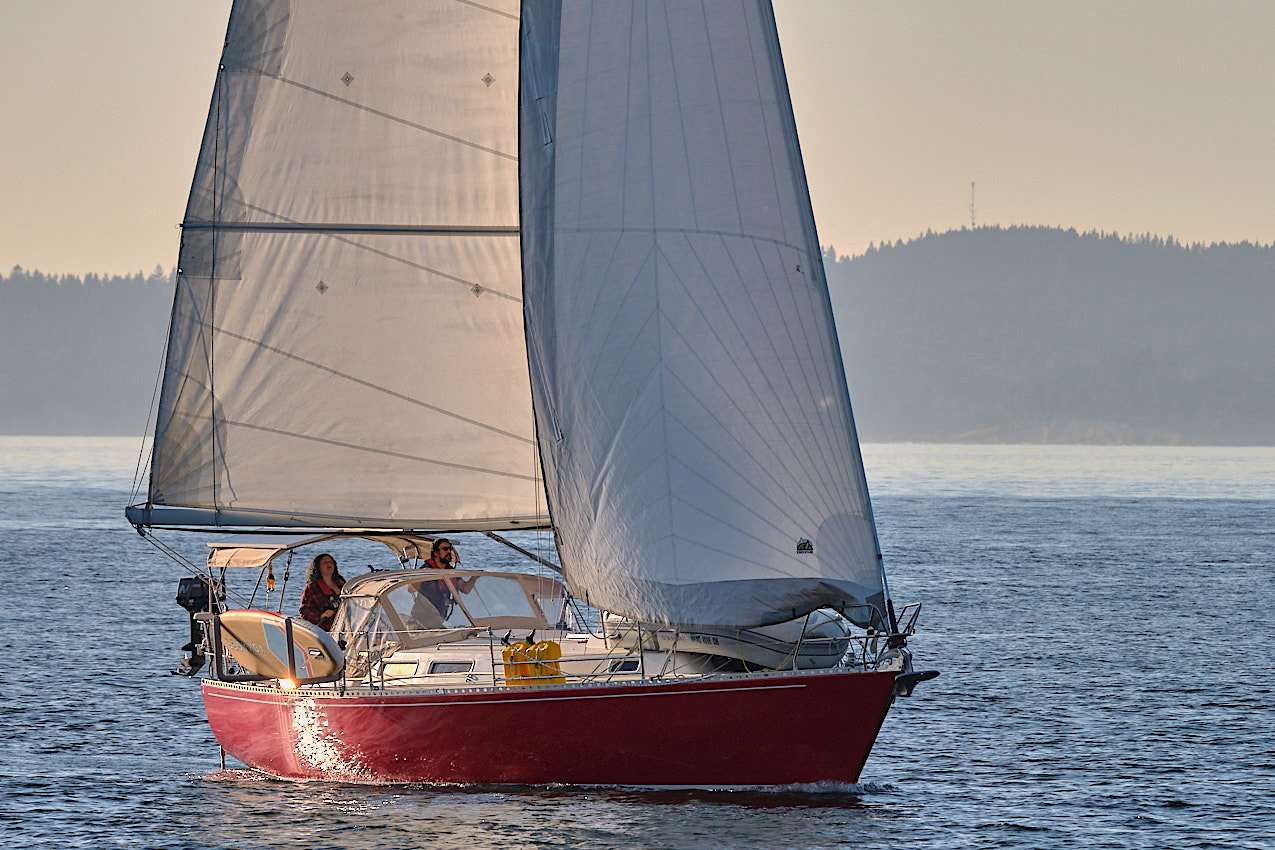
column 347, row 344
column 700, row 454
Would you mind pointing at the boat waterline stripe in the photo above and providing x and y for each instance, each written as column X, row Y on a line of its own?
column 342, row 702
column 337, row 227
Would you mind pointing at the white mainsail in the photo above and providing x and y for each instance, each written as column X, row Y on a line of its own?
column 347, row 338
column 700, row 455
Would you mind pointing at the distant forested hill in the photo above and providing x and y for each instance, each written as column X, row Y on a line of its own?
column 1024, row 334
column 1033, row 334
column 79, row 356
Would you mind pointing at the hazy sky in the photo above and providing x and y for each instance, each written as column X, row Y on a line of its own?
column 1153, row 116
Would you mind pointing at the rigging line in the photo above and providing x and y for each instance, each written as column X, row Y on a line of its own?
column 371, row 450
column 544, row 562
column 141, row 451
column 218, row 184
column 468, row 284
column 388, row 117
column 183, row 562
column 488, row 9
column 257, row 586
column 365, row 383
column 153, row 410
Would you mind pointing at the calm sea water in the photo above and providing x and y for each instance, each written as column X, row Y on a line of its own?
column 1101, row 617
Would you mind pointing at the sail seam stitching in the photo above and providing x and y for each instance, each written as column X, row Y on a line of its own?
column 658, row 313
column 766, row 384
column 749, row 480
column 365, row 383
column 824, row 367
column 389, row 117
column 369, row 449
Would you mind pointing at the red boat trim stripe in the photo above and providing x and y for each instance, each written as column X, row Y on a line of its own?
column 358, row 702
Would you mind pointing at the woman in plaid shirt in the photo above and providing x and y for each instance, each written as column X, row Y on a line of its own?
column 323, row 583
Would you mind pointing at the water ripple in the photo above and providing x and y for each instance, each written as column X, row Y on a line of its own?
column 1107, row 680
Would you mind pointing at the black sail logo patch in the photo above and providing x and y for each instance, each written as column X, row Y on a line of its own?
column 805, row 547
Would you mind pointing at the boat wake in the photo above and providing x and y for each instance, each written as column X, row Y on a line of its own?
column 830, row 787
column 232, row 774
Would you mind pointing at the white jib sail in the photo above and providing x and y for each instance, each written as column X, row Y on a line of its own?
column 700, row 454
column 347, row 338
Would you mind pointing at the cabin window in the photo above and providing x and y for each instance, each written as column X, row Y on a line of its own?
column 398, row 669
column 451, row 666
column 624, row 665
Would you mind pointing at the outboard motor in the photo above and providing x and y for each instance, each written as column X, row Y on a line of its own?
column 194, row 595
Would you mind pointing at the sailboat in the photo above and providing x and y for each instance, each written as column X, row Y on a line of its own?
column 505, row 267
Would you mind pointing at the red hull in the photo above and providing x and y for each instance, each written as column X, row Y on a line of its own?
column 765, row 730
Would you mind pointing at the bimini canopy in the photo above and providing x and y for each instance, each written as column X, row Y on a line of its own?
column 403, row 605
column 257, row 550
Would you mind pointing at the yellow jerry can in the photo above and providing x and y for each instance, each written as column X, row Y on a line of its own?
column 519, row 668
column 547, row 669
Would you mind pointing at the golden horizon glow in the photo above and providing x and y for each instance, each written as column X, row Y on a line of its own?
column 1132, row 117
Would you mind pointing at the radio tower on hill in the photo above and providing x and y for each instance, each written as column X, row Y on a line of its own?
column 972, row 224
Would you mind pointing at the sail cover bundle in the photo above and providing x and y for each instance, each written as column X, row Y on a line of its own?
column 376, row 218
